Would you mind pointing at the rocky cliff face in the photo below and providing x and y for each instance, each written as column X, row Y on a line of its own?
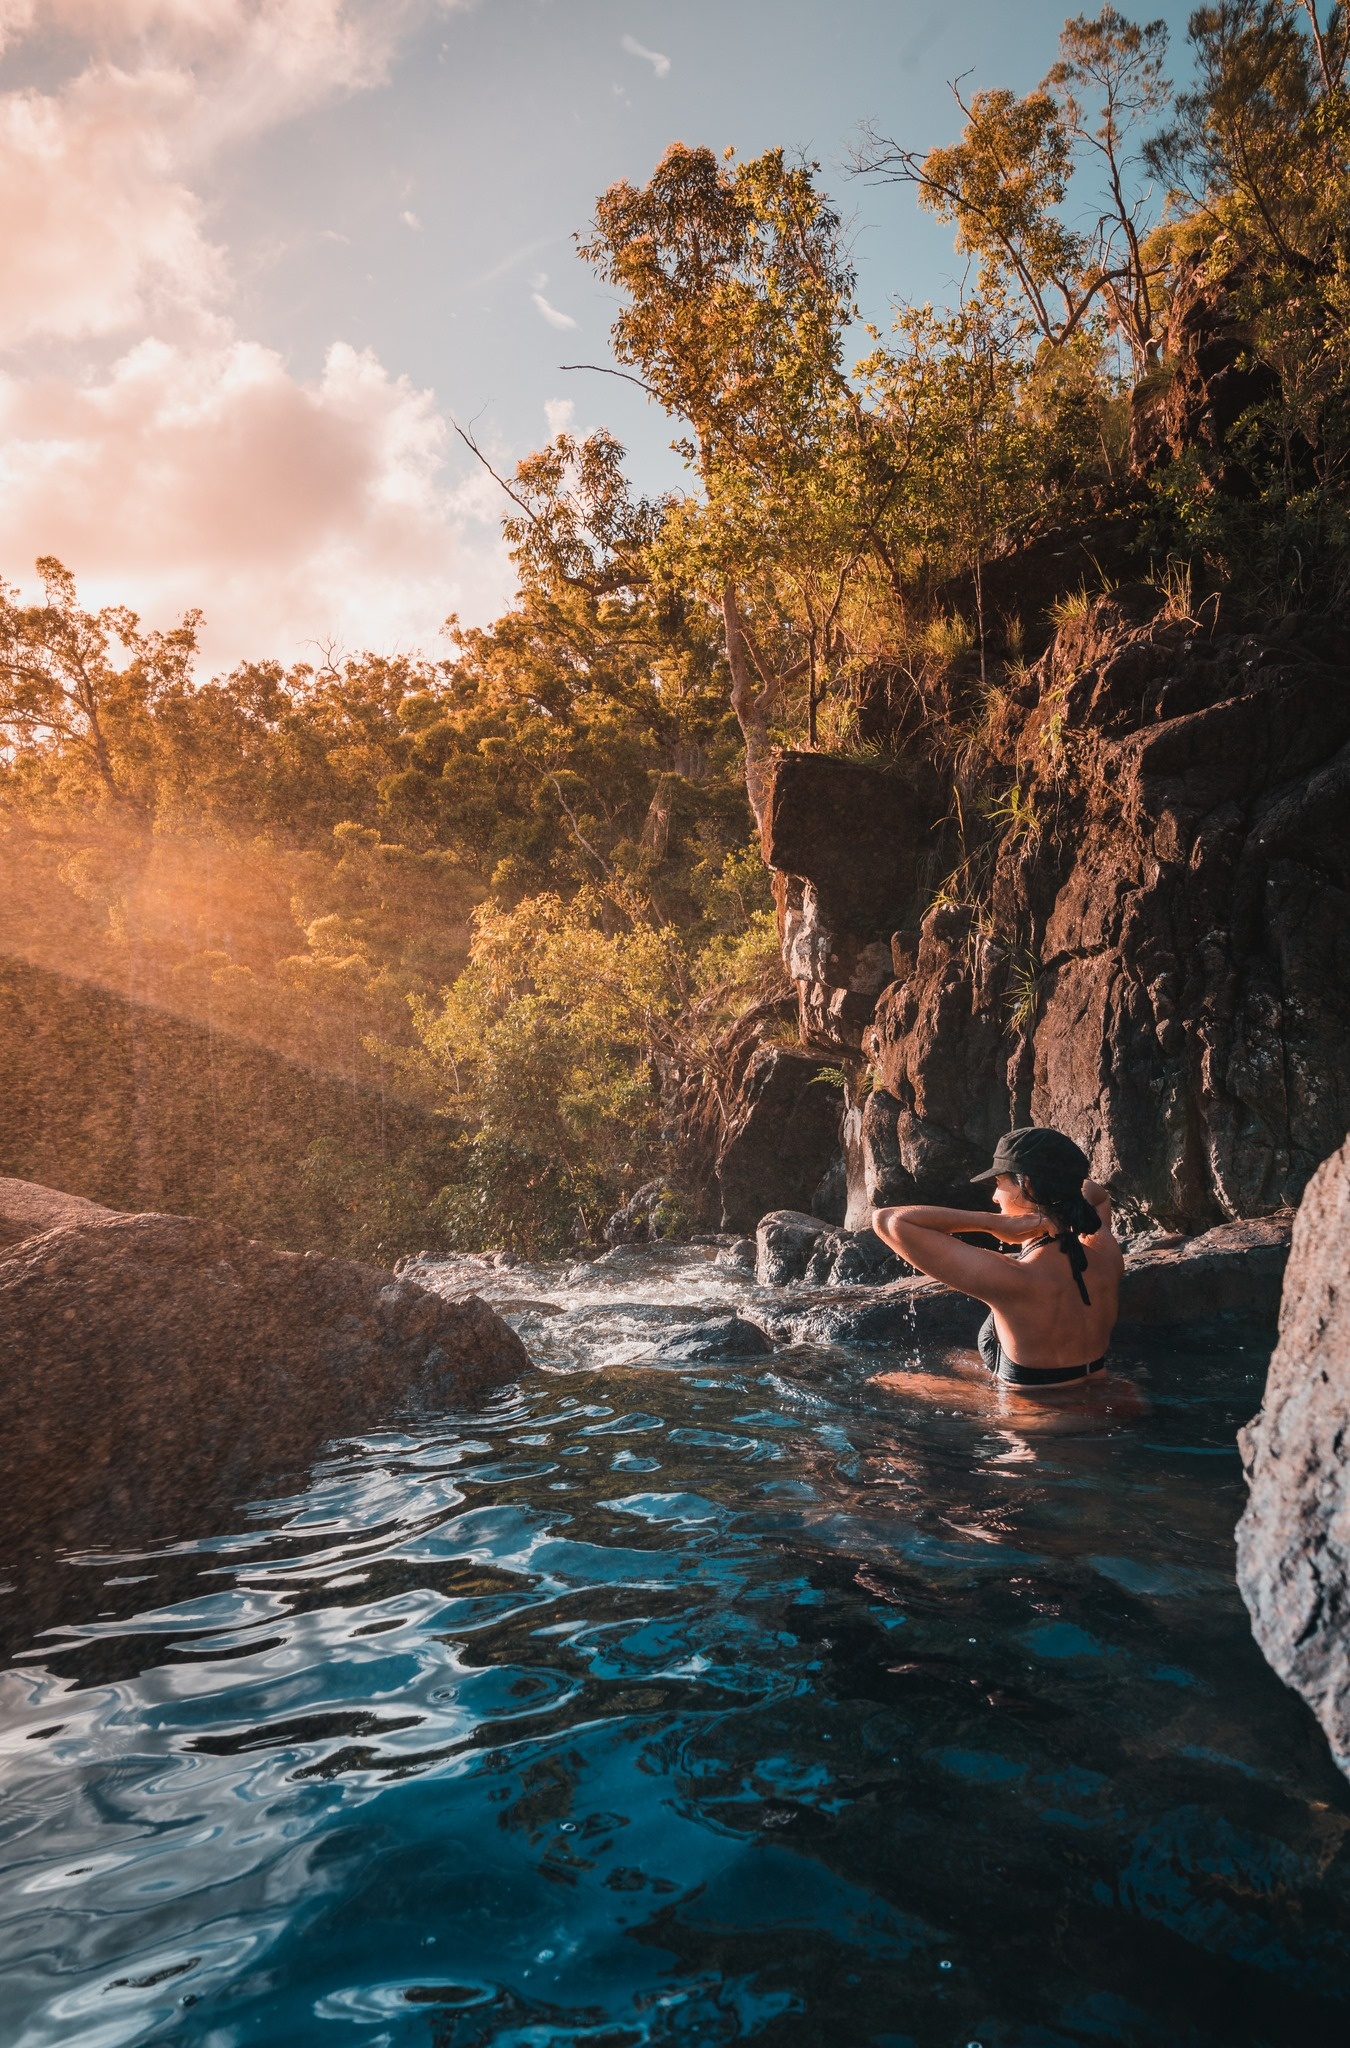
column 1294, row 1539
column 1135, row 923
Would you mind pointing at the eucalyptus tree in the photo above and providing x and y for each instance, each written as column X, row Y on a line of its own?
column 739, row 295
column 1009, row 184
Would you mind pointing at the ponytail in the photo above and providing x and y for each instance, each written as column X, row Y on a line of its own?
column 1063, row 1202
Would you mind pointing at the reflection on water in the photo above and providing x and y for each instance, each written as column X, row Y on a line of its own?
column 685, row 1705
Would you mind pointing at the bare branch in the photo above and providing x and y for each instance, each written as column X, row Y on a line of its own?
column 604, row 370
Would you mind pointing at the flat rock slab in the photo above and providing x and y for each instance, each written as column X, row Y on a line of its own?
column 1232, row 1272
column 1236, row 1270
column 1293, row 1542
column 150, row 1365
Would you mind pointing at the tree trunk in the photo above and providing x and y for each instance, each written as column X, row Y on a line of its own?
column 753, row 707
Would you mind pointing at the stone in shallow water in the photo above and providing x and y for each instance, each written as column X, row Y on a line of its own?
column 849, row 1258
column 1293, row 1542
column 724, row 1337
column 784, row 1241
column 737, row 1257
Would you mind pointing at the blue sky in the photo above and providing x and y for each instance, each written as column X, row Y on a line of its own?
column 262, row 249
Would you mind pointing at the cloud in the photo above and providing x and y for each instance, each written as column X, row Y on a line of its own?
column 197, row 469
column 558, row 412
column 291, row 511
column 659, row 62
column 410, row 220
column 101, row 226
column 96, row 230
column 551, row 313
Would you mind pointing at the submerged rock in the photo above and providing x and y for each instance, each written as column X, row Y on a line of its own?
column 154, row 1365
column 1293, row 1542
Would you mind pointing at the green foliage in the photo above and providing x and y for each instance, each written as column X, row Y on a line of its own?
column 552, row 1052
column 542, row 1047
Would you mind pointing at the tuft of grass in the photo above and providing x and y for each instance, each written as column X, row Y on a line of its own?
column 1023, row 995
column 1016, row 811
column 948, row 637
column 1173, row 582
column 1074, row 605
column 1014, row 638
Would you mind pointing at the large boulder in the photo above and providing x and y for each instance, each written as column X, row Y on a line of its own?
column 155, row 1367
column 1293, row 1542
column 27, row 1209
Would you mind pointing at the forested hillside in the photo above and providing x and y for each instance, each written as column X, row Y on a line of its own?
column 516, row 888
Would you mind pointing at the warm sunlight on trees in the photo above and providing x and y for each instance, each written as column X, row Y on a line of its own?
column 1005, row 185
column 515, row 887
column 738, row 293
column 68, row 707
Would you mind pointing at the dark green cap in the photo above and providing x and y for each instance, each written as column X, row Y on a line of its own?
column 1030, row 1150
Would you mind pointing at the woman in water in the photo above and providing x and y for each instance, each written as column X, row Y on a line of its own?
column 1052, row 1306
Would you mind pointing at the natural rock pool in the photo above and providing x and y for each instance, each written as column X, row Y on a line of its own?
column 697, row 1703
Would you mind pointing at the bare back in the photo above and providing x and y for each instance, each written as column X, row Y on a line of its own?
column 1040, row 1317
column 1044, row 1321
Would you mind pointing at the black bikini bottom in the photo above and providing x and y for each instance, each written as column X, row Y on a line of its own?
column 1012, row 1374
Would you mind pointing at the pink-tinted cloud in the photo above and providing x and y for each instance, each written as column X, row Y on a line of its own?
column 97, row 231
column 101, row 225
column 198, row 470
column 294, row 513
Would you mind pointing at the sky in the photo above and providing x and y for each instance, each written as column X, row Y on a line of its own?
column 259, row 255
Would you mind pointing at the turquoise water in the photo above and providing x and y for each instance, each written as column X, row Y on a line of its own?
column 697, row 1705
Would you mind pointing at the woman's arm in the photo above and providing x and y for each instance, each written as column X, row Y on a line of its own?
column 998, row 1282
column 955, row 1222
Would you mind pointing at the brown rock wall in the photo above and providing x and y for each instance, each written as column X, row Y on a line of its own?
column 1154, row 954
